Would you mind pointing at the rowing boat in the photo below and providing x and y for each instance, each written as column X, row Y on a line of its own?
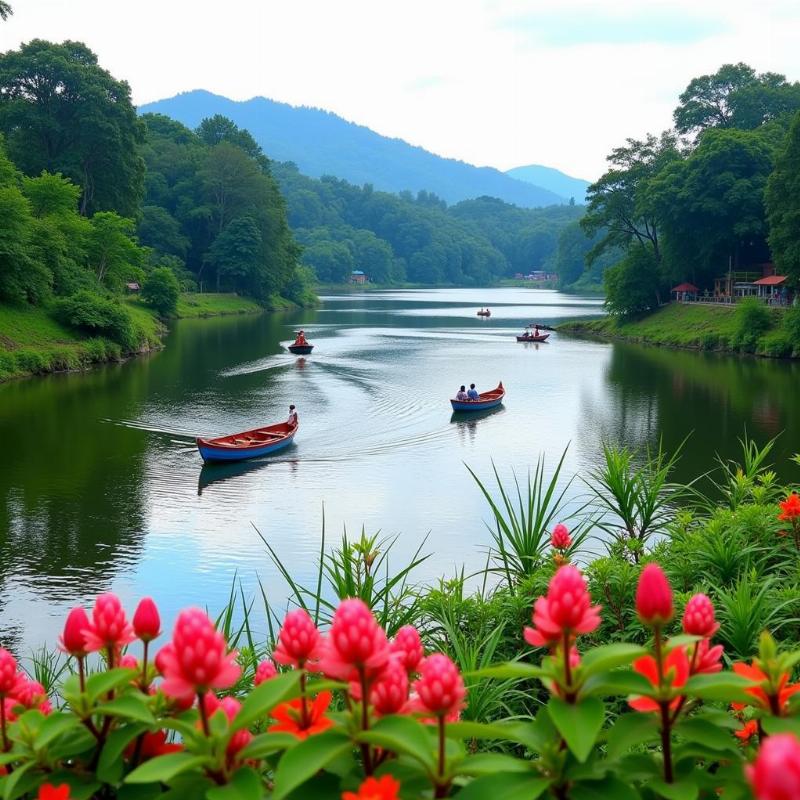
column 301, row 349
column 529, row 337
column 248, row 444
column 485, row 400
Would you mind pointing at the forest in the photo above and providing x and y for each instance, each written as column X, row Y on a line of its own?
column 717, row 192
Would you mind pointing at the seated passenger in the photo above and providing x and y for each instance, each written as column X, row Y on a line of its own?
column 462, row 394
column 472, row 394
column 301, row 339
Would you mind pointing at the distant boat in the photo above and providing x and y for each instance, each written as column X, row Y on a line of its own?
column 485, row 313
column 531, row 337
column 249, row 444
column 485, row 400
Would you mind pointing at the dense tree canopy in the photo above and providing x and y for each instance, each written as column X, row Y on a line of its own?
column 783, row 206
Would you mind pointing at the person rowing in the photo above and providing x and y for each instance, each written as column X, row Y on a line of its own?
column 300, row 341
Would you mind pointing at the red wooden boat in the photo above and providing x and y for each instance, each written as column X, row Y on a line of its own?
column 485, row 400
column 248, row 444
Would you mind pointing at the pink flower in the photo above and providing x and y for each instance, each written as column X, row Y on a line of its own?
column 8, row 673
column 231, row 706
column 560, row 538
column 31, row 694
column 775, row 774
column 708, row 658
column 698, row 618
column 129, row 661
column 146, row 621
column 567, row 610
column 389, row 693
column 654, row 596
column 264, row 672
column 109, row 628
column 298, row 641
column 440, row 687
column 72, row 641
column 356, row 643
column 196, row 659
column 407, row 646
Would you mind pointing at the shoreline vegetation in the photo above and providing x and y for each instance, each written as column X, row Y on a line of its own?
column 34, row 342
column 744, row 329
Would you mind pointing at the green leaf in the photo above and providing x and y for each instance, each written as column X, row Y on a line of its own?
column 683, row 640
column 109, row 767
column 491, row 763
column 266, row 744
column 403, row 735
column 265, row 697
column 512, row 669
column 606, row 789
column 505, row 786
column 164, row 768
column 478, row 730
column 579, row 724
column 103, row 682
column 132, row 707
column 703, row 732
column 774, row 725
column 631, row 729
column 306, row 759
column 54, row 726
column 616, row 683
column 245, row 785
column 680, row 790
column 19, row 781
column 610, row 656
column 725, row 686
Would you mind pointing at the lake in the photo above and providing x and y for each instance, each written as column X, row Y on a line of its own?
column 101, row 487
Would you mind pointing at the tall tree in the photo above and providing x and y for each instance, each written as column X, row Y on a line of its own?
column 783, row 206
column 62, row 112
column 5, row 10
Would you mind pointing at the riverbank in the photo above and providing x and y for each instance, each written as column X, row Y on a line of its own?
column 33, row 342
column 691, row 327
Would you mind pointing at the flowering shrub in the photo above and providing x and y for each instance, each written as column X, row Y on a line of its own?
column 356, row 715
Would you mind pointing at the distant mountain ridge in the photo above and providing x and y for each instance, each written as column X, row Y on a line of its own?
column 553, row 179
column 322, row 143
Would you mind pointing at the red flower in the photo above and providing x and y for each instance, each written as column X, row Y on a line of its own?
column 129, row 661
column 49, row 792
column 289, row 717
column 196, row 659
column 299, row 640
column 698, row 617
column 72, row 641
column 676, row 673
column 440, row 687
column 109, row 628
column 264, row 672
column 389, row 693
column 31, row 694
column 8, row 673
column 654, row 596
column 708, row 659
column 560, row 538
column 146, row 622
column 774, row 702
column 407, row 646
column 356, row 643
column 241, row 738
column 790, row 508
column 748, row 730
column 153, row 744
column 566, row 610
column 383, row 788
column 775, row 774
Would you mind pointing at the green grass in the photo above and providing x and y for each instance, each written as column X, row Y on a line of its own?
column 700, row 327
column 214, row 305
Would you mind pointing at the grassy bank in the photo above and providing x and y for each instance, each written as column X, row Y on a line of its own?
column 191, row 305
column 694, row 327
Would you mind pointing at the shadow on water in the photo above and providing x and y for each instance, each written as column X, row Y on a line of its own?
column 219, row 472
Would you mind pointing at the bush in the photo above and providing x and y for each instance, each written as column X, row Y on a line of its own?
column 632, row 285
column 777, row 344
column 31, row 361
column 791, row 326
column 161, row 291
column 752, row 321
column 95, row 314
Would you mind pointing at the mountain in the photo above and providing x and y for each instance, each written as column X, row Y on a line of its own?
column 322, row 143
column 553, row 179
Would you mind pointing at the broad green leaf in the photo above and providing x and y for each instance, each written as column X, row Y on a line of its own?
column 683, row 640
column 505, row 786
column 703, row 732
column 307, row 759
column 244, row 785
column 265, row 697
column 109, row 767
column 165, row 768
column 491, row 764
column 781, row 725
column 266, row 744
column 631, row 729
column 512, row 669
column 20, row 781
column 680, row 790
column 103, row 682
column 619, row 682
column 610, row 788
column 74, row 743
column 610, row 656
column 54, row 726
column 132, row 707
column 403, row 735
column 579, row 724
column 725, row 686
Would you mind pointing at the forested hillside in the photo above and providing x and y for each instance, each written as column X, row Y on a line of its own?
column 322, row 143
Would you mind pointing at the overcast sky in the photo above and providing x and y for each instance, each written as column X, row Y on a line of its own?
column 492, row 82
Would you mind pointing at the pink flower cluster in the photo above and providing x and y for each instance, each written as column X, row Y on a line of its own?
column 18, row 692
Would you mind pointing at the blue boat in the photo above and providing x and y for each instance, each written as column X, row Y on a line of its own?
column 485, row 400
column 249, row 444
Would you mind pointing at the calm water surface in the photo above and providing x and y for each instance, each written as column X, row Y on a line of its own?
column 101, row 486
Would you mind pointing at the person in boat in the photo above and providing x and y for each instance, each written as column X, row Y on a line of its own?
column 536, row 330
column 472, row 394
column 462, row 394
column 300, row 341
column 292, row 414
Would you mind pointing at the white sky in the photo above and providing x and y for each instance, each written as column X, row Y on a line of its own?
column 492, row 82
